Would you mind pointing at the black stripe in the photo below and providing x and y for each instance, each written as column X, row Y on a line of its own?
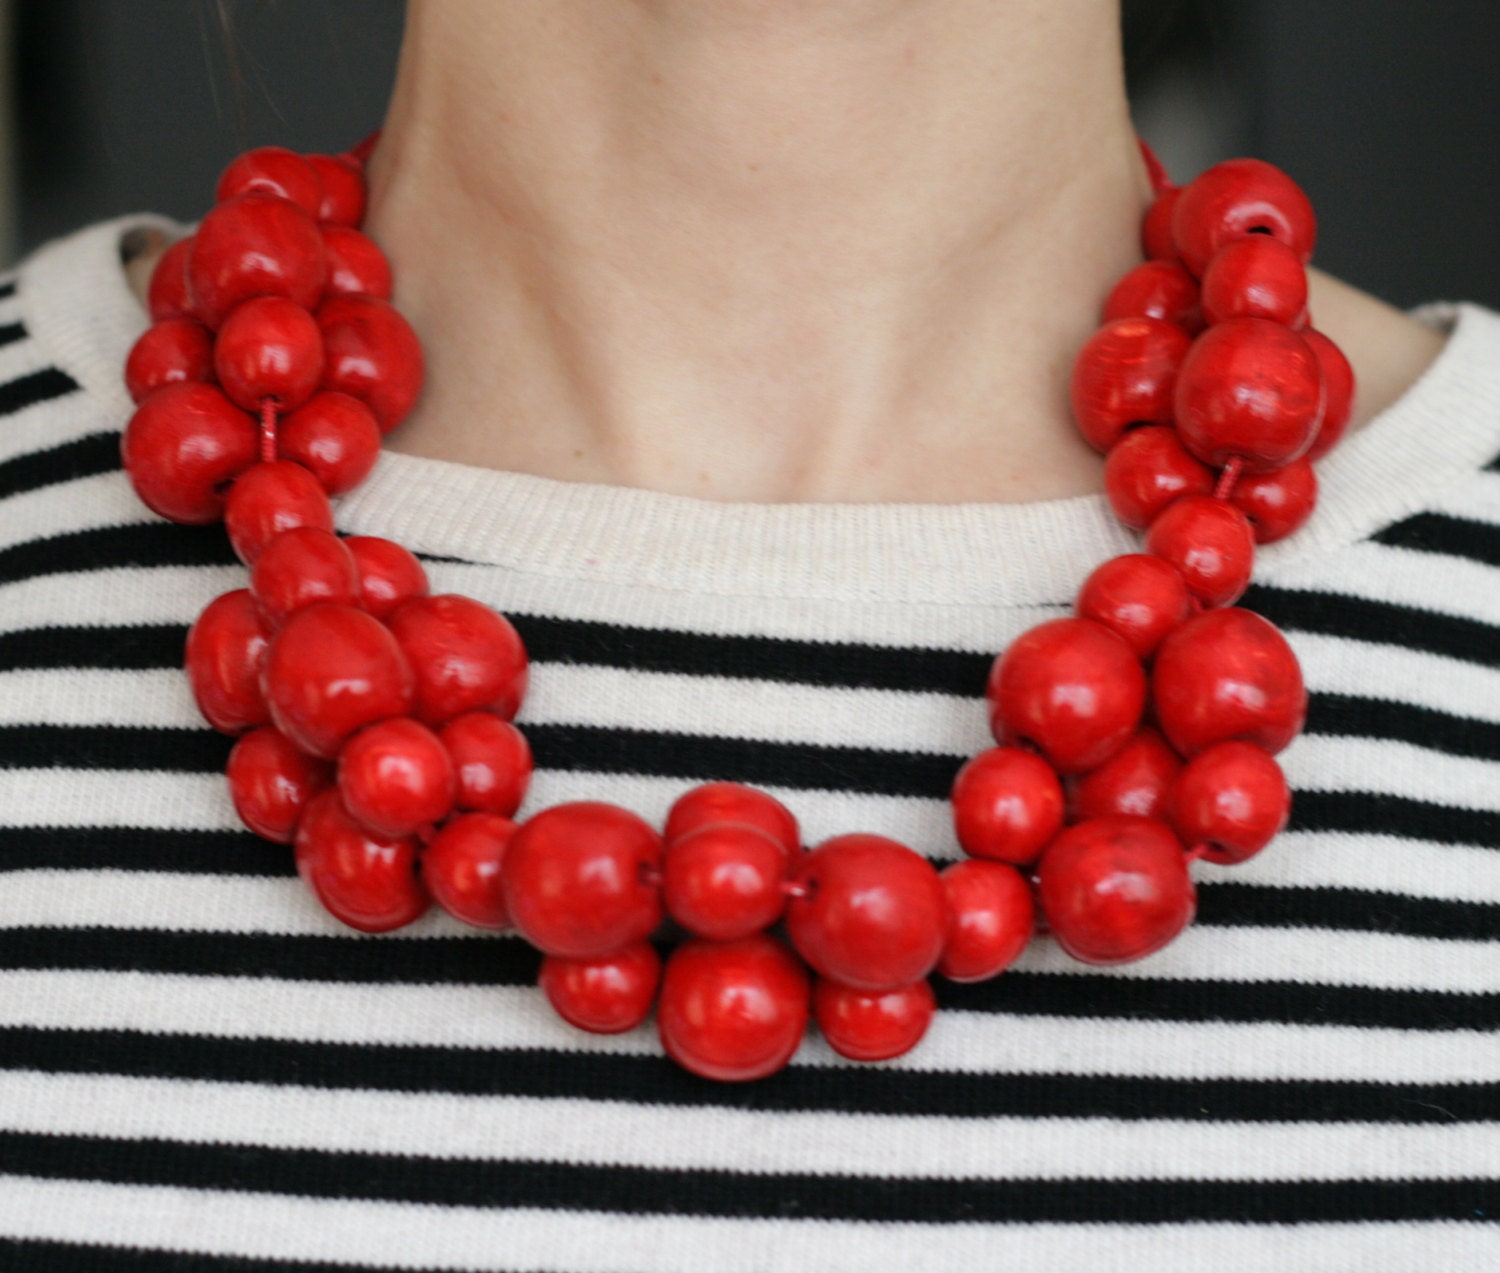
column 1343, row 715
column 83, row 457
column 1360, row 812
column 130, row 648
column 1441, row 533
column 142, row 849
column 474, row 1182
column 107, row 547
column 652, row 1080
column 112, row 747
column 34, row 1255
column 7, row 289
column 35, row 387
column 12, row 332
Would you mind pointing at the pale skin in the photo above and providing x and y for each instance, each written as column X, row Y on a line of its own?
column 775, row 250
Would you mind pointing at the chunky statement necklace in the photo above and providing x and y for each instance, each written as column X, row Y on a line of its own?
column 374, row 719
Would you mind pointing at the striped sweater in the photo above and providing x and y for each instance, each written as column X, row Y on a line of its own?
column 200, row 1070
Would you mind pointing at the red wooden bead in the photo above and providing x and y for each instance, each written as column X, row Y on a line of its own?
column 1007, row 803
column 302, row 567
column 1232, row 797
column 1279, row 502
column 868, row 912
column 169, row 352
column 373, row 355
column 370, row 882
column 272, row 170
column 1138, row 597
column 389, row 575
column 491, row 762
column 580, row 879
column 269, row 348
column 716, row 802
column 466, row 657
column 872, row 1025
column 1071, row 688
column 1338, row 392
column 724, row 880
column 1249, row 390
column 255, row 245
column 167, row 296
column 1156, row 228
column 1228, row 674
column 1254, row 277
column 608, row 994
column 183, row 446
column 334, row 436
column 330, row 671
column 1156, row 289
column 1210, row 543
column 461, row 868
column 1136, row 780
column 1115, row 889
column 226, row 649
column 1238, row 197
column 1148, row 469
column 1125, row 376
column 270, row 782
column 356, row 267
column 343, row 201
column 396, row 777
column 992, row 919
column 269, row 498
column 733, row 1011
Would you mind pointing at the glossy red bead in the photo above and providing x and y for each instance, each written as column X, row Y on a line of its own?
column 1227, row 674
column 334, row 436
column 608, row 994
column 343, row 202
column 868, row 912
column 1277, row 503
column 356, row 267
column 1115, row 889
column 1156, row 227
column 1072, row 689
column 491, row 762
column 1148, row 469
column 255, row 245
column 1239, row 197
column 269, row 347
column 733, row 1011
column 226, row 649
column 1250, row 390
column 269, row 498
column 582, row 879
column 330, row 671
column 715, row 802
column 1233, row 798
column 1125, row 376
column 373, row 355
column 992, row 917
column 389, row 575
column 1338, row 392
column 872, row 1025
column 396, row 777
column 461, row 868
column 272, row 170
column 167, row 294
column 1137, row 780
column 1138, row 597
column 724, row 880
column 302, row 567
column 1254, row 277
column 1211, row 545
column 271, row 782
column 1007, row 803
column 466, row 657
column 173, row 351
column 183, row 446
column 1157, row 289
column 370, row 882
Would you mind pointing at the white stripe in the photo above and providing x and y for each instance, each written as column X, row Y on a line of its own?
column 1386, row 864
column 100, row 501
column 1440, row 583
column 1390, row 673
column 115, row 798
column 1320, row 762
column 123, row 596
column 1476, row 500
column 158, row 698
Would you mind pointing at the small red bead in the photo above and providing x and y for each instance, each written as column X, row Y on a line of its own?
column 1138, row 597
column 1148, row 469
column 370, row 882
column 170, row 352
column 1338, row 392
column 580, row 879
column 733, row 1011
column 270, row 782
column 1279, row 502
column 334, row 436
column 1115, row 889
column 396, row 777
column 992, row 918
column 226, row 649
column 1156, row 227
column 356, row 267
column 330, row 671
column 373, row 355
column 461, row 868
column 303, row 567
column 1072, row 689
column 1233, row 798
column 724, row 880
column 183, row 446
column 1228, row 674
column 343, row 201
column 1211, row 545
column 466, row 657
column 1125, row 376
column 491, row 762
column 167, row 296
column 272, row 170
column 1254, row 277
column 1157, row 289
column 1239, row 197
column 872, row 1025
column 1137, row 780
column 255, row 245
column 608, row 994
column 269, row 348
column 389, row 575
column 716, row 802
column 269, row 498
column 1007, row 803
column 868, row 912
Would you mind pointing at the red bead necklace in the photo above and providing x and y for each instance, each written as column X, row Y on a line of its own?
column 374, row 719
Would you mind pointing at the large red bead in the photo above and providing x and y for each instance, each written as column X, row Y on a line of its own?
column 724, row 880
column 733, row 1011
column 868, row 912
column 1279, row 502
column 1007, row 803
column 1138, row 597
column 269, row 348
column 330, row 671
column 466, row 657
column 1124, row 376
column 183, row 446
column 608, row 994
column 1157, row 289
column 1338, row 392
column 268, row 499
column 992, row 919
column 389, row 575
column 272, row 170
column 373, row 355
column 1210, row 544
column 1136, row 780
column 1233, row 798
column 491, row 762
column 731, row 802
column 370, row 882
column 302, row 567
column 1148, row 469
column 334, row 436
column 226, row 649
column 1228, row 674
column 271, row 782
column 1071, row 688
column 581, row 879
column 356, row 267
column 343, row 201
column 396, row 777
column 1115, row 889
column 872, row 1025
column 461, row 867
column 170, row 352
column 1239, row 197
column 1254, row 277
column 255, row 245
column 167, row 296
